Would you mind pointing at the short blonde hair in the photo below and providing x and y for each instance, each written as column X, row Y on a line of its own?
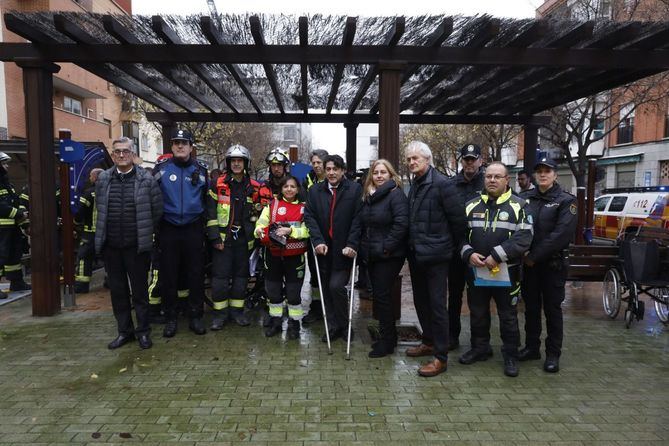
column 369, row 181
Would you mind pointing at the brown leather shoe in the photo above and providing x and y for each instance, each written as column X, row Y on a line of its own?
column 420, row 350
column 433, row 368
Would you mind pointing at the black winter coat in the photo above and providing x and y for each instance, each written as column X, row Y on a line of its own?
column 468, row 190
column 346, row 220
column 385, row 223
column 436, row 218
column 554, row 219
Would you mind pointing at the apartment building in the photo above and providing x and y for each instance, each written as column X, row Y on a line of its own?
column 637, row 152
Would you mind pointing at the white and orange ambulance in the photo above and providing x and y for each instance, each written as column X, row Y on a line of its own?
column 624, row 209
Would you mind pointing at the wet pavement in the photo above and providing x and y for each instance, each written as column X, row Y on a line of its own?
column 60, row 385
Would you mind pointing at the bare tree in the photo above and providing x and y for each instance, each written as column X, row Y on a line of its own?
column 497, row 137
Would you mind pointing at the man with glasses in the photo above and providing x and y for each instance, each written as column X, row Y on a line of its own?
column 184, row 184
column 499, row 234
column 129, row 207
column 468, row 185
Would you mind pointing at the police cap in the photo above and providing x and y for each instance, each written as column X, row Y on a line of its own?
column 545, row 161
column 470, row 151
column 180, row 134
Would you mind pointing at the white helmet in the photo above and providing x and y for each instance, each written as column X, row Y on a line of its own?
column 238, row 151
column 4, row 158
column 277, row 156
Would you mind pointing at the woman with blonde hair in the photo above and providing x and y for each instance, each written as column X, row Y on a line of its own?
column 385, row 225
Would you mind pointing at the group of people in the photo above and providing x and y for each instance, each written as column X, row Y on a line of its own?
column 470, row 231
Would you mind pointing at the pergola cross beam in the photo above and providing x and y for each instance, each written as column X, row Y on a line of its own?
column 347, row 41
column 259, row 38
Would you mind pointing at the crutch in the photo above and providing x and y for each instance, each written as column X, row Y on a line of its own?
column 320, row 290
column 350, row 312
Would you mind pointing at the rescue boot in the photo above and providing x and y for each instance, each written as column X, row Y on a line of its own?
column 18, row 285
column 170, row 328
column 81, row 287
column 274, row 327
column 293, row 329
column 219, row 320
column 197, row 326
column 155, row 315
column 240, row 318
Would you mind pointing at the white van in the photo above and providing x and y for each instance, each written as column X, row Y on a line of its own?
column 623, row 209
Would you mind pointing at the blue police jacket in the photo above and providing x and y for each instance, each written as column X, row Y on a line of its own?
column 184, row 186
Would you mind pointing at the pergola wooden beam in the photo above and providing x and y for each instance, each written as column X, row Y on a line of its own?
column 392, row 39
column 259, row 39
column 482, row 36
column 436, row 39
column 346, row 42
column 210, row 32
column 338, row 118
column 117, row 30
column 169, row 36
column 303, row 24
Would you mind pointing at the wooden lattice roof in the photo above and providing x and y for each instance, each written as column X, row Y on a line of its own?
column 325, row 68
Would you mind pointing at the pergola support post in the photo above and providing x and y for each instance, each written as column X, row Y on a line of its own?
column 168, row 129
column 351, row 146
column 389, row 111
column 530, row 142
column 38, row 91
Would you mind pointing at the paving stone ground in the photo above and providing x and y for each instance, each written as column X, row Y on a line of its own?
column 60, row 385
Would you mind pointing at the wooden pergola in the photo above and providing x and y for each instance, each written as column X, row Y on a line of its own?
column 390, row 70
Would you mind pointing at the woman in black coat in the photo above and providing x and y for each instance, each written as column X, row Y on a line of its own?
column 385, row 224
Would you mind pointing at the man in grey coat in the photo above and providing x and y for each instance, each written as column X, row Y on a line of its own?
column 129, row 205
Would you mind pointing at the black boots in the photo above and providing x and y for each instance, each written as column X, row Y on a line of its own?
column 170, row 328
column 18, row 285
column 274, row 327
column 219, row 320
column 510, row 366
column 293, row 329
column 387, row 340
column 197, row 326
column 528, row 354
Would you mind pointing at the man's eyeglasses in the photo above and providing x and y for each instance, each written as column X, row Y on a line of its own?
column 124, row 152
column 495, row 177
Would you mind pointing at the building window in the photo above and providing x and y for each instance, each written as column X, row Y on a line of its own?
column 108, row 123
column 626, row 126
column 144, row 143
column 374, row 141
column 666, row 123
column 597, row 129
column 290, row 133
column 72, row 105
column 131, row 130
column 625, row 175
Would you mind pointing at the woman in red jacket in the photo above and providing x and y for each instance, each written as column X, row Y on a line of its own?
column 281, row 228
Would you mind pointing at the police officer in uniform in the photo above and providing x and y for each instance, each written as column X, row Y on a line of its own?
column 86, row 217
column 12, row 215
column 233, row 206
column 498, row 236
column 183, row 182
column 545, row 269
column 315, row 176
column 469, row 185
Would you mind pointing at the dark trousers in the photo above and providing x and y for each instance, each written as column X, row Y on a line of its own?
column 284, row 273
column 182, row 247
column 11, row 251
column 85, row 258
column 335, row 296
column 428, row 282
column 457, row 271
column 543, row 287
column 230, row 275
column 382, row 275
column 121, row 265
column 479, row 308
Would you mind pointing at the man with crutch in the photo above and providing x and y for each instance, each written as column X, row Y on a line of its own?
column 332, row 216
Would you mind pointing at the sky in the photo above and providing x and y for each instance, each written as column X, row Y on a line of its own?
column 332, row 137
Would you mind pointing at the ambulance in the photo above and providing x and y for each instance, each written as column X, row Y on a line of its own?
column 625, row 209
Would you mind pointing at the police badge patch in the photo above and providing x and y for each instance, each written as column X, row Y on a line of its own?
column 504, row 216
column 173, row 177
column 572, row 208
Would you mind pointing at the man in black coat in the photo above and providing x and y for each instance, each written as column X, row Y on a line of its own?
column 332, row 215
column 469, row 185
column 436, row 223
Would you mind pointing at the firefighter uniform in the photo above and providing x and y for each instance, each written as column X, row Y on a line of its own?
column 87, row 217
column 184, row 186
column 284, row 263
column 11, row 237
column 233, row 207
column 545, row 269
column 499, row 228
